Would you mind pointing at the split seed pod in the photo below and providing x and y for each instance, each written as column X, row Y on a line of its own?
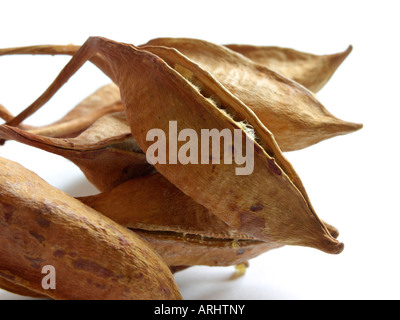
column 270, row 204
column 106, row 152
column 310, row 70
column 182, row 231
column 94, row 257
column 296, row 118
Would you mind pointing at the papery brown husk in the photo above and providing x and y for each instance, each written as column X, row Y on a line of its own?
column 182, row 231
column 290, row 111
column 311, row 70
column 94, row 257
column 270, row 204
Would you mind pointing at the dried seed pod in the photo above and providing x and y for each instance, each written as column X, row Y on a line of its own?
column 178, row 228
column 269, row 204
column 294, row 115
column 310, row 70
column 168, row 219
column 271, row 96
column 107, row 144
column 94, row 257
column 152, row 203
column 204, row 251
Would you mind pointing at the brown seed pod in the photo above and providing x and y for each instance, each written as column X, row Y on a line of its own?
column 207, row 251
column 178, row 228
column 94, row 257
column 310, row 70
column 182, row 231
column 107, row 144
column 270, row 204
column 151, row 203
column 294, row 115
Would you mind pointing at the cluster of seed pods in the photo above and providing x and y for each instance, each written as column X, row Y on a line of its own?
column 152, row 219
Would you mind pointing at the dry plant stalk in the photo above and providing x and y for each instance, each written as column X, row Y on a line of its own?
column 48, row 227
column 103, row 101
column 5, row 114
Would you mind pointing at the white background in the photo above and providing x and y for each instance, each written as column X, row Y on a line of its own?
column 352, row 180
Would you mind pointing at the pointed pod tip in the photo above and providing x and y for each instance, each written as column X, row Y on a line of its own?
column 348, row 50
column 334, row 232
column 341, row 127
column 332, row 246
column 325, row 240
column 337, row 59
column 355, row 126
column 325, row 243
column 338, row 248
